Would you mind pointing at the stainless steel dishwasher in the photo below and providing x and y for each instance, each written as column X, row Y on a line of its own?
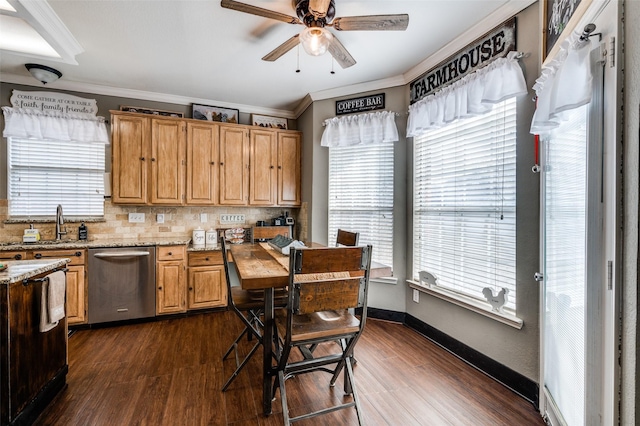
column 121, row 283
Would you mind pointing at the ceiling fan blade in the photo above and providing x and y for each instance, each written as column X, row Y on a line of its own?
column 282, row 49
column 254, row 10
column 340, row 53
column 372, row 23
column 318, row 8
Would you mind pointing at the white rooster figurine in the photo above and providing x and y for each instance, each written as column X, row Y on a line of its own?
column 497, row 301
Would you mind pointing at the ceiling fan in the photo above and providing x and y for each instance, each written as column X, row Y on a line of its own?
column 316, row 16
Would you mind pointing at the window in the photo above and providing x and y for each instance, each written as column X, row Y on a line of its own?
column 361, row 195
column 43, row 174
column 465, row 205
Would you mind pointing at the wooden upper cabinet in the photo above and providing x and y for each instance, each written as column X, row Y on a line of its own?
column 203, row 146
column 289, row 169
column 168, row 144
column 130, row 152
column 234, row 165
column 262, row 167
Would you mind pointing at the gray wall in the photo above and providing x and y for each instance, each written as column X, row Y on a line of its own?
column 517, row 349
column 630, row 404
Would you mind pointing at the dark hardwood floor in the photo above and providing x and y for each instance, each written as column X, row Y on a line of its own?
column 170, row 372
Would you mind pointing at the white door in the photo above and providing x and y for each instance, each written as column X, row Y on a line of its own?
column 572, row 202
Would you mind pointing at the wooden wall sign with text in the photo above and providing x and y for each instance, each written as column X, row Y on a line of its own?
column 365, row 103
column 493, row 45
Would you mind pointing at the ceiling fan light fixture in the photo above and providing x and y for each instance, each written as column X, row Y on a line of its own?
column 43, row 73
column 315, row 40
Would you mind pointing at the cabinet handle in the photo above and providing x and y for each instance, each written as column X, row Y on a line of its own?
column 222, row 164
column 271, row 167
column 213, row 163
column 78, row 254
column 153, row 159
column 17, row 257
column 141, row 158
column 38, row 256
column 159, row 288
column 190, row 288
column 170, row 254
column 206, row 258
column 279, row 167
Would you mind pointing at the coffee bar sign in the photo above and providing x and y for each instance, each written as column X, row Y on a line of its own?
column 366, row 103
column 493, row 45
column 54, row 102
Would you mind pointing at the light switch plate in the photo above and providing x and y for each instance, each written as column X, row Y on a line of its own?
column 203, row 218
column 416, row 296
column 136, row 217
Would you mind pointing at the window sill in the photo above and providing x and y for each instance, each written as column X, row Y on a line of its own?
column 469, row 303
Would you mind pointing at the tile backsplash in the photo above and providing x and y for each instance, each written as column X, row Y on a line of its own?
column 178, row 222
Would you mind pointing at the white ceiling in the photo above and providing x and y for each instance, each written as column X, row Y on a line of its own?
column 184, row 51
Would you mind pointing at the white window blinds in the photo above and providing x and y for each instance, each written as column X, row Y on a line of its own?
column 465, row 204
column 43, row 174
column 361, row 195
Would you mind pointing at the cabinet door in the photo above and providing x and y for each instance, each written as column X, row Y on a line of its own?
column 167, row 162
column 262, row 167
column 13, row 255
column 171, row 287
column 207, row 287
column 130, row 155
column 289, row 158
column 203, row 148
column 234, row 165
column 76, row 313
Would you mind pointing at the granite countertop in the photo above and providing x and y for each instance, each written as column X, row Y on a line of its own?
column 76, row 244
column 18, row 270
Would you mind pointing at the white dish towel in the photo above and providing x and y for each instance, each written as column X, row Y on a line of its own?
column 52, row 300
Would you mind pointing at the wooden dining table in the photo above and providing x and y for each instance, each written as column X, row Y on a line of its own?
column 260, row 267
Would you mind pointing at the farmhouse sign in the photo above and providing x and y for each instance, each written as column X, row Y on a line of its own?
column 54, row 102
column 366, row 103
column 493, row 45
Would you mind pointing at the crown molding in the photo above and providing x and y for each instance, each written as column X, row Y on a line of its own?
column 505, row 12
column 64, row 84
column 44, row 20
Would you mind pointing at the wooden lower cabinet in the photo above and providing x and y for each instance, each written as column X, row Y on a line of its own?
column 76, row 303
column 207, row 286
column 171, row 281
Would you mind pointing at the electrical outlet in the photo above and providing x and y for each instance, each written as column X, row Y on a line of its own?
column 160, row 218
column 136, row 217
column 416, row 296
column 203, row 218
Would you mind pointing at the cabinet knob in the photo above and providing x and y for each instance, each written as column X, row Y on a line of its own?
column 141, row 158
column 78, row 254
column 213, row 163
column 38, row 256
column 153, row 159
column 279, row 167
column 170, row 253
column 190, row 288
column 17, row 257
column 159, row 288
column 271, row 167
column 206, row 258
column 222, row 164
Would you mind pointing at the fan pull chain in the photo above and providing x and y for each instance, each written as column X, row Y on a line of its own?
column 298, row 68
column 332, row 62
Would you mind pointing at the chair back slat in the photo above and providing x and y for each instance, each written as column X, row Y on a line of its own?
column 329, row 259
column 317, row 296
column 269, row 232
column 346, row 238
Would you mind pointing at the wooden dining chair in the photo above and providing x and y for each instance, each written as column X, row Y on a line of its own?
column 324, row 283
column 346, row 238
column 264, row 233
column 248, row 306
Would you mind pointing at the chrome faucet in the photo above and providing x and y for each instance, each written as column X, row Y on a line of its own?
column 59, row 221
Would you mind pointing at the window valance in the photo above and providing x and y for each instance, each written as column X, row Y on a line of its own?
column 472, row 95
column 564, row 84
column 369, row 128
column 27, row 123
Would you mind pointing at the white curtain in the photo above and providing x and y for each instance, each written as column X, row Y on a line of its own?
column 564, row 84
column 472, row 95
column 361, row 129
column 33, row 124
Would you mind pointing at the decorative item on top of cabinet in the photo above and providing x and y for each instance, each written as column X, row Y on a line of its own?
column 76, row 302
column 234, row 165
column 148, row 159
column 206, row 281
column 170, row 280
